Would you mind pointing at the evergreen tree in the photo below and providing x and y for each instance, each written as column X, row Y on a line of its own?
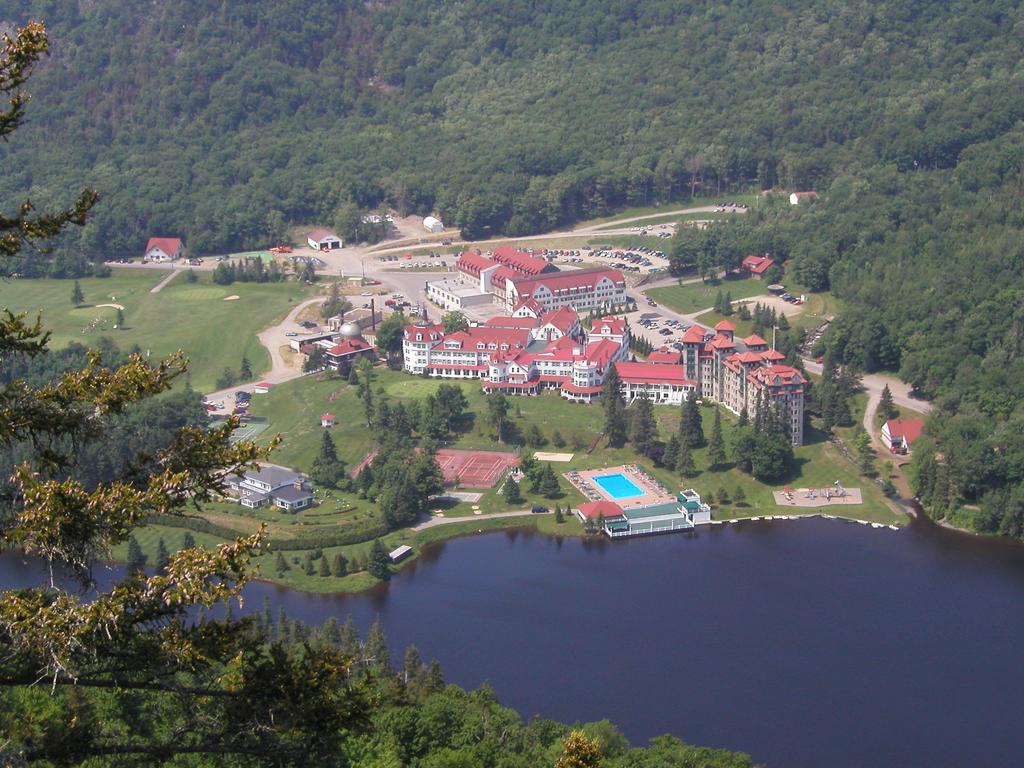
column 719, row 302
column 739, row 496
column 557, row 440
column 77, row 297
column 435, row 678
column 136, row 557
column 744, row 419
column 886, row 407
column 412, row 666
column 379, row 566
column 513, row 494
column 244, row 370
column 548, row 485
column 716, row 445
column 727, row 304
column 308, row 564
column 340, row 565
column 375, row 649
column 559, row 517
column 163, row 557
column 671, row 453
column 119, row 318
column 685, row 465
column 325, row 568
column 644, row 430
column 188, row 541
column 783, row 322
column 865, row 452
column 691, row 427
column 280, row 564
column 614, row 410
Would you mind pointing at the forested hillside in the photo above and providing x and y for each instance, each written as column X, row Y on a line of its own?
column 226, row 121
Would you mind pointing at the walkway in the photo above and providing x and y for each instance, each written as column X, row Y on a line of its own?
column 436, row 521
column 160, row 286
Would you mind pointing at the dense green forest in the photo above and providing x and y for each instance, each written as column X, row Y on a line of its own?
column 224, row 122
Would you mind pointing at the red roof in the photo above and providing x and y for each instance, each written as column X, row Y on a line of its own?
column 568, row 386
column 503, row 274
column 753, row 340
column 601, row 352
column 328, row 416
column 426, row 330
column 168, row 245
column 348, row 347
column 694, row 335
column 319, row 234
column 664, row 355
column 563, row 319
column 512, row 322
column 473, row 263
column 756, row 265
column 908, row 429
column 652, row 373
column 519, row 261
column 726, row 325
column 721, row 342
column 472, row 336
column 262, row 385
column 608, row 326
column 573, row 278
column 592, row 509
column 772, row 354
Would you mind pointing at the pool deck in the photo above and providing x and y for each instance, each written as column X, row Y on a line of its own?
column 652, row 494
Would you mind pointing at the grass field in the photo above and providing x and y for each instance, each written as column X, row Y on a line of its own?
column 670, row 218
column 696, row 202
column 693, row 297
column 194, row 317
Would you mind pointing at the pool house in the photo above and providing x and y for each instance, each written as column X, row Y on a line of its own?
column 626, row 501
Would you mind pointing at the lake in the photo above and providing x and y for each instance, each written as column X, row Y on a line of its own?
column 805, row 643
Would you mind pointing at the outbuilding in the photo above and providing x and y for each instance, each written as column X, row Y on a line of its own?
column 397, row 555
column 324, row 240
column 327, row 420
column 262, row 387
column 432, row 224
column 163, row 249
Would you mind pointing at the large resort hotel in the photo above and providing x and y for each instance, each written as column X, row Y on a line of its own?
column 626, row 501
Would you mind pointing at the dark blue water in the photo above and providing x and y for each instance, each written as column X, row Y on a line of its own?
column 804, row 643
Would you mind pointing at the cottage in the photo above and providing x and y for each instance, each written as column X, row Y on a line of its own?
column 327, row 420
column 163, row 249
column 324, row 240
column 900, row 434
column 756, row 266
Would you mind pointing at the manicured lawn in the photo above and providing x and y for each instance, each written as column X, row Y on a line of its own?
column 687, row 299
column 193, row 317
column 696, row 202
column 672, row 218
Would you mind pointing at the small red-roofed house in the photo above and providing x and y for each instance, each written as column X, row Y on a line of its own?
column 163, row 249
column 591, row 510
column 262, row 387
column 327, row 420
column 756, row 266
column 900, row 434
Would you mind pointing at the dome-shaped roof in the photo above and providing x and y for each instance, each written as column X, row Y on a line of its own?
column 351, row 331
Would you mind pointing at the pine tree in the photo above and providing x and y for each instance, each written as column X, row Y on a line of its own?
column 378, row 565
column 719, row 302
column 188, row 541
column 739, row 496
column 119, row 318
column 513, row 493
column 163, row 557
column 435, row 678
column 685, row 465
column 886, row 408
column 671, row 453
column 136, row 557
column 744, row 419
column 691, row 428
column 245, row 370
column 77, row 297
column 549, row 482
column 325, row 568
column 614, row 411
column 376, row 647
column 727, row 304
column 559, row 517
column 644, row 430
column 716, row 445
column 280, row 564
column 412, row 665
column 557, row 440
column 340, row 565
column 308, row 565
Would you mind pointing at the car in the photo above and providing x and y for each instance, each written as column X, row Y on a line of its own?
column 539, row 509
column 291, row 333
column 665, row 331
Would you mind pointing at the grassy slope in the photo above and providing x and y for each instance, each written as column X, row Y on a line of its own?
column 193, row 317
column 694, row 297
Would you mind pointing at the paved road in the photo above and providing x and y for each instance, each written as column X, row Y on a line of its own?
column 436, row 521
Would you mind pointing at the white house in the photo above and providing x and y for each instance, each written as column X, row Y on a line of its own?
column 163, row 249
column 796, row 197
column 432, row 224
column 324, row 240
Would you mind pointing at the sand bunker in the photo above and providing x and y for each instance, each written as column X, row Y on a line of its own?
column 232, row 297
column 115, row 306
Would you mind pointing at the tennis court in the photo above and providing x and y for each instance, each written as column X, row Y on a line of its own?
column 474, row 469
column 250, row 430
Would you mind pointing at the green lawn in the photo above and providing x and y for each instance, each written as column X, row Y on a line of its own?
column 194, row 317
column 696, row 202
column 672, row 218
column 687, row 299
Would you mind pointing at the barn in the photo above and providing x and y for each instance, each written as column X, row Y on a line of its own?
column 324, row 240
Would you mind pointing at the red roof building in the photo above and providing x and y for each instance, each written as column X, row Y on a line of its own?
column 579, row 289
column 594, row 509
column 756, row 265
column 163, row 249
column 664, row 356
column 899, row 434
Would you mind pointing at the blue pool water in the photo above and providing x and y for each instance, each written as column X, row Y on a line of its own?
column 618, row 486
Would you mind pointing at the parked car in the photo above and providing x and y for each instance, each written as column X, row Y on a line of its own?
column 539, row 509
column 291, row 333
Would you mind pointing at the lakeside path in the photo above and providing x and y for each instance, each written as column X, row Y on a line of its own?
column 436, row 521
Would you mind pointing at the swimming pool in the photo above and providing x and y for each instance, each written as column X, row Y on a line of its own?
column 618, row 486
